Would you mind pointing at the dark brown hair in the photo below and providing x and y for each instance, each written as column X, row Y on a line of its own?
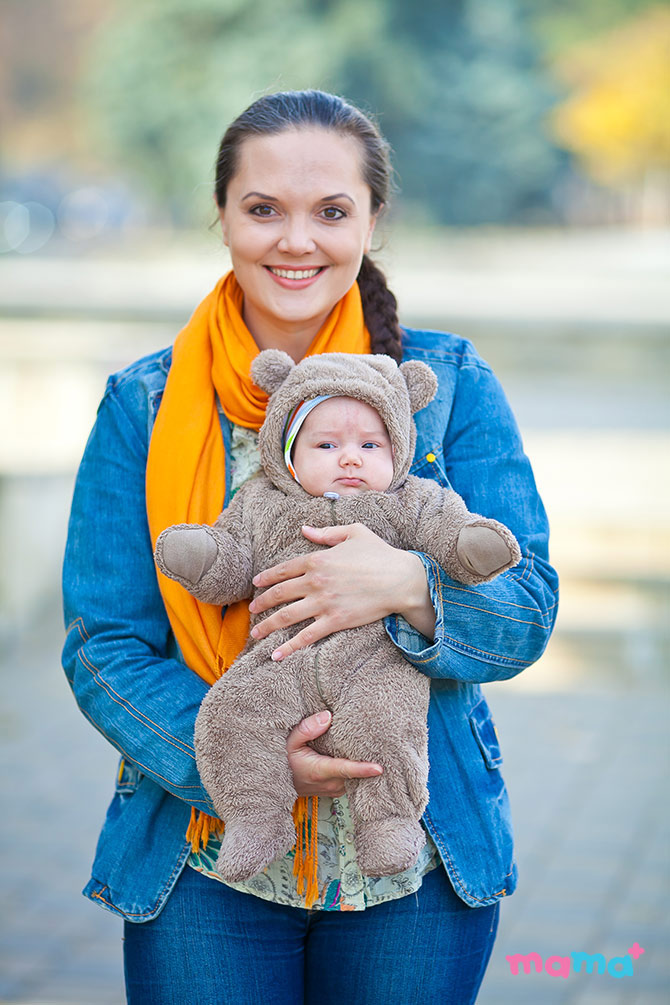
column 295, row 109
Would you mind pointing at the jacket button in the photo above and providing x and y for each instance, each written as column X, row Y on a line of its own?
column 431, row 458
column 349, row 838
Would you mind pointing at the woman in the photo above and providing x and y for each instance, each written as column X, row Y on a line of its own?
column 301, row 180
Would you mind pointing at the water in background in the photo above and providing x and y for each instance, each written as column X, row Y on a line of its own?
column 577, row 326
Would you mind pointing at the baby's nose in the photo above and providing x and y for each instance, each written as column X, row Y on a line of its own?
column 351, row 457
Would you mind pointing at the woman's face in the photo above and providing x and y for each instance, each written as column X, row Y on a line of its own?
column 297, row 221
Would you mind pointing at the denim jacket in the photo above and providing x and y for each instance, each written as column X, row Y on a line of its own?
column 130, row 681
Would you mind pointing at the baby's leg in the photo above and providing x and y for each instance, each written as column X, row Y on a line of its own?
column 240, row 741
column 380, row 716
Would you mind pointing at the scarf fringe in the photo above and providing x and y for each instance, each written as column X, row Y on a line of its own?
column 305, row 863
column 306, row 859
column 201, row 827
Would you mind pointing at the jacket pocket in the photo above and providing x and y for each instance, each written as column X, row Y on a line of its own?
column 128, row 777
column 485, row 734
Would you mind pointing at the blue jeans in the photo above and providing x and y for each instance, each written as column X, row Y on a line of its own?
column 211, row 945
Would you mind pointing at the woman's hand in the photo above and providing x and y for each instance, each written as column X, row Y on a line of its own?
column 357, row 580
column 317, row 774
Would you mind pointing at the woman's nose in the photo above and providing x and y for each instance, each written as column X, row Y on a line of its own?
column 296, row 238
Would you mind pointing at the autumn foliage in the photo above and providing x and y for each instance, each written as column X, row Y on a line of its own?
column 617, row 117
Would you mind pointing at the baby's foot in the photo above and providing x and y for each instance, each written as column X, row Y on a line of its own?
column 247, row 846
column 385, row 847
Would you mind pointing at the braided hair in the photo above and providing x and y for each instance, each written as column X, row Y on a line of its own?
column 293, row 109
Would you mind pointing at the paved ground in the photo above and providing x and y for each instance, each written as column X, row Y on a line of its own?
column 585, row 772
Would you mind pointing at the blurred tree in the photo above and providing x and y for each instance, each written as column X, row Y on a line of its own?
column 465, row 100
column 560, row 24
column 617, row 118
column 165, row 76
column 461, row 93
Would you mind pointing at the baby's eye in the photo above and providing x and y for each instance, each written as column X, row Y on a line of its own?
column 369, row 445
column 326, row 446
column 262, row 210
column 333, row 213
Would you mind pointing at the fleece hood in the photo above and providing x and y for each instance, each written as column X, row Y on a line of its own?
column 395, row 392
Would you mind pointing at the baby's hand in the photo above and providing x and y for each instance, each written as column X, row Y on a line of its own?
column 185, row 553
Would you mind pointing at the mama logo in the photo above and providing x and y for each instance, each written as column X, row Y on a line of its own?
column 561, row 966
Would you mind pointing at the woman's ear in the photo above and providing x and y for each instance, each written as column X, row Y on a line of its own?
column 373, row 223
column 270, row 369
column 222, row 218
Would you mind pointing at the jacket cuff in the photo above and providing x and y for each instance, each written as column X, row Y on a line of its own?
column 414, row 646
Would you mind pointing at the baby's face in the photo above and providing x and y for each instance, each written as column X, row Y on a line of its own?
column 343, row 447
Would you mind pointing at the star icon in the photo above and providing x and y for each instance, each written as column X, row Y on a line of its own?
column 635, row 951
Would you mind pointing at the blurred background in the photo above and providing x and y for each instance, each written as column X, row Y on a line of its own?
column 532, row 148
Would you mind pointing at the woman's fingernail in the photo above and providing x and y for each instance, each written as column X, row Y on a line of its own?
column 255, row 580
column 323, row 717
column 277, row 656
column 254, row 632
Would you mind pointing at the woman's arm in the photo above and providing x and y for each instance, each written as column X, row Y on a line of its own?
column 119, row 656
column 493, row 631
column 484, row 633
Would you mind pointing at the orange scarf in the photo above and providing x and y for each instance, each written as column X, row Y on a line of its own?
column 185, row 481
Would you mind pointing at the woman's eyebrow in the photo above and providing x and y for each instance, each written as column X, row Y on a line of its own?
column 338, row 195
column 258, row 195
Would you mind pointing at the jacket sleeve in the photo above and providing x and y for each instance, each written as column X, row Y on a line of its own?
column 119, row 655
column 495, row 630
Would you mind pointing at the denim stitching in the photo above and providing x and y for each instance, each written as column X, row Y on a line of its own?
column 541, row 611
column 159, row 899
column 507, row 603
column 150, row 772
column 494, row 614
column 81, row 628
column 130, row 708
column 496, row 656
column 438, row 840
column 95, row 674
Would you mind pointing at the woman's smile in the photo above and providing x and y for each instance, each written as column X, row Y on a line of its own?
column 296, row 279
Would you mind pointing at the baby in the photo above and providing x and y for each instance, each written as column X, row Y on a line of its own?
column 336, row 447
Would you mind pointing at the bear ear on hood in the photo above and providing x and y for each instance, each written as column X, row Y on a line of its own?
column 270, row 369
column 421, row 383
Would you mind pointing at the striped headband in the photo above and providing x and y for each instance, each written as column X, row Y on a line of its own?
column 294, row 421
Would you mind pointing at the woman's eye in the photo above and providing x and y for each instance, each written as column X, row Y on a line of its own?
column 333, row 213
column 263, row 210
